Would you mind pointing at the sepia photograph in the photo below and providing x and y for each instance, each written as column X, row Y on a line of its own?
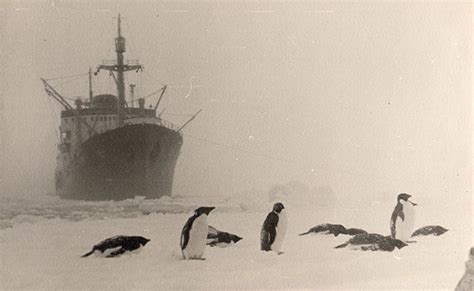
column 228, row 145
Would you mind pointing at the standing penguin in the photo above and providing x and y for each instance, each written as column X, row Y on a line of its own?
column 194, row 234
column 402, row 221
column 274, row 229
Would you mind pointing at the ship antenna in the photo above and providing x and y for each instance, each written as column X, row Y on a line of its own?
column 132, row 91
column 90, row 86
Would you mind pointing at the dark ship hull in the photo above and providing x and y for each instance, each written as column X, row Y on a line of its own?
column 133, row 160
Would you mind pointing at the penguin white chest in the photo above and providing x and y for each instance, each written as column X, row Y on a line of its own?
column 196, row 246
column 404, row 228
column 280, row 231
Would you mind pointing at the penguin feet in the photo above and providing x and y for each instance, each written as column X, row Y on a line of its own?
column 280, row 253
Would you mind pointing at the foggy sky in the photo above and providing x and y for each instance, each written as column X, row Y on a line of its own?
column 371, row 98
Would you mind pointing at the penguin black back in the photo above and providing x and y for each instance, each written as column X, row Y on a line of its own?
column 327, row 228
column 435, row 230
column 217, row 237
column 373, row 242
column 119, row 244
column 335, row 229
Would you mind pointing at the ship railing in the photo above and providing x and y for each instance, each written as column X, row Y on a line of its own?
column 109, row 62
column 152, row 120
column 133, row 62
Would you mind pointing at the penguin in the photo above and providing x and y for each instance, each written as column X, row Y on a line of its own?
column 435, row 230
column 117, row 245
column 326, row 228
column 220, row 238
column 373, row 242
column 354, row 231
column 274, row 229
column 402, row 221
column 335, row 229
column 194, row 234
column 466, row 283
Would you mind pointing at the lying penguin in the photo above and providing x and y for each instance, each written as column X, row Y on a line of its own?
column 220, row 238
column 372, row 242
column 336, row 229
column 118, row 245
column 435, row 230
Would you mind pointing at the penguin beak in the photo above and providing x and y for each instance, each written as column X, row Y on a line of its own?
column 209, row 209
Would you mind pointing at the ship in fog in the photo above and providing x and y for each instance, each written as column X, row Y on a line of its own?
column 110, row 149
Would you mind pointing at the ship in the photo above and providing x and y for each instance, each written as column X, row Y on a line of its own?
column 110, row 149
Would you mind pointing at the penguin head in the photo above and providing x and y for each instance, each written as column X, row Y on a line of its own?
column 203, row 210
column 405, row 197
column 235, row 238
column 399, row 244
column 278, row 207
column 143, row 241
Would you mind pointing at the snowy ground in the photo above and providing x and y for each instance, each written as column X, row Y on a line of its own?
column 43, row 252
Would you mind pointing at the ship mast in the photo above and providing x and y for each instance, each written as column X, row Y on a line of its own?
column 120, row 67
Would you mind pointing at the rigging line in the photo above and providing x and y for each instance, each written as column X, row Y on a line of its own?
column 152, row 93
column 64, row 77
column 146, row 73
column 53, row 115
column 243, row 151
column 69, row 81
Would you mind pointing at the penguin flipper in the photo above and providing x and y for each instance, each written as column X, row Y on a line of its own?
column 88, row 254
column 116, row 253
column 185, row 233
column 265, row 241
column 341, row 246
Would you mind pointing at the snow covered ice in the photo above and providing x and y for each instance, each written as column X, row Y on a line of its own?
column 41, row 250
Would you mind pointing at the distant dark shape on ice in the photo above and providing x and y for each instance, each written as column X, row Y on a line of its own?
column 373, row 242
column 435, row 230
column 194, row 235
column 118, row 245
column 274, row 229
column 216, row 237
column 335, row 229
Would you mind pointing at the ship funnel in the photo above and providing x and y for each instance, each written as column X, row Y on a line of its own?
column 78, row 103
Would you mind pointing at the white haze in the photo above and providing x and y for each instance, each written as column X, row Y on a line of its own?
column 367, row 100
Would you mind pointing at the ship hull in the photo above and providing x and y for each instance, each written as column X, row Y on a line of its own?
column 133, row 160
